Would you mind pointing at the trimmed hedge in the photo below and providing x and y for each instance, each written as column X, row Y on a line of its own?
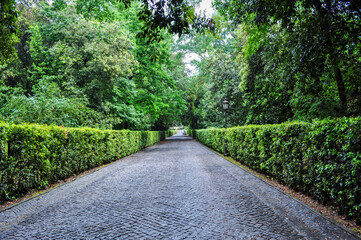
column 172, row 132
column 32, row 156
column 321, row 159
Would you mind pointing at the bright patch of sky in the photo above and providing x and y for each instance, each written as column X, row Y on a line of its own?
column 205, row 7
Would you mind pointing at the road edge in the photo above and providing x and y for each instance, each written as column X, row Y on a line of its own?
column 245, row 168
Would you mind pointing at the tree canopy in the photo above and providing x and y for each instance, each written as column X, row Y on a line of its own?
column 8, row 30
column 116, row 64
column 81, row 67
column 322, row 36
column 294, row 60
column 175, row 16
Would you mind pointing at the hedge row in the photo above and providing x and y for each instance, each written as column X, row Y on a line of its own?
column 321, row 159
column 32, row 156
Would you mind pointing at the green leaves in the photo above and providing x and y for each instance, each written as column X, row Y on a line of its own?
column 321, row 158
column 80, row 64
column 32, row 156
column 8, row 30
column 302, row 52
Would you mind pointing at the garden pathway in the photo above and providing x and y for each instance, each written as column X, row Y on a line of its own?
column 176, row 189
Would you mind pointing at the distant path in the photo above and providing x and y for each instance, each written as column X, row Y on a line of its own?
column 176, row 189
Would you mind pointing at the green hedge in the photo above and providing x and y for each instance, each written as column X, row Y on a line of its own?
column 172, row 132
column 32, row 156
column 322, row 158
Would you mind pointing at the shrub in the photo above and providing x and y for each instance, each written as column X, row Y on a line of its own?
column 32, row 156
column 322, row 158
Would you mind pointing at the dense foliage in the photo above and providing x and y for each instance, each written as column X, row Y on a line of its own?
column 80, row 64
column 322, row 158
column 8, row 29
column 33, row 156
column 115, row 64
column 176, row 16
column 294, row 60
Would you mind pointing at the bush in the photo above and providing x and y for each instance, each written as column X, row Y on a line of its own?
column 32, row 156
column 322, row 158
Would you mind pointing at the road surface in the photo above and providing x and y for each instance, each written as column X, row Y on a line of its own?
column 176, row 189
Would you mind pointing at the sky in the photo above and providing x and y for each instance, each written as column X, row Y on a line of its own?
column 206, row 7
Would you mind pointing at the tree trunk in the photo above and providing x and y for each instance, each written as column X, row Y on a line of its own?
column 341, row 90
column 326, row 16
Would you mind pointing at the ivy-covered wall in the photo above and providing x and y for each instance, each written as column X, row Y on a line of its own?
column 32, row 156
column 321, row 158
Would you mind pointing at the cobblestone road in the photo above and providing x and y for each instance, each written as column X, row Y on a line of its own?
column 176, row 189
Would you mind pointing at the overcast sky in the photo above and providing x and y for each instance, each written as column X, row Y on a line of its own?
column 206, row 5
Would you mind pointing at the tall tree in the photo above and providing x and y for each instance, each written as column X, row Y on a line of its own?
column 322, row 36
column 8, row 29
column 81, row 67
column 176, row 16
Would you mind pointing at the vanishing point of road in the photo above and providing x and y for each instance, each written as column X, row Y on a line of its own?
column 176, row 189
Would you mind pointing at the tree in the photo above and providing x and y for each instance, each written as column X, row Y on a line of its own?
column 322, row 38
column 157, row 95
column 81, row 68
column 176, row 16
column 217, row 77
column 8, row 29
